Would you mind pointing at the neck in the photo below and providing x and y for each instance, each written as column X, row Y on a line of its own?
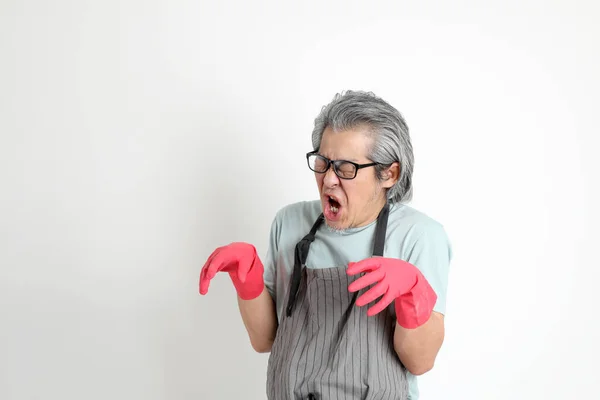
column 376, row 208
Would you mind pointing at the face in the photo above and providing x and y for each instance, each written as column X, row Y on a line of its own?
column 355, row 202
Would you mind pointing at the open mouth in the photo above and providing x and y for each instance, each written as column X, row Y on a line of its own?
column 334, row 205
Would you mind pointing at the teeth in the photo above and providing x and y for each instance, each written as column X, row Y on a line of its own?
column 333, row 208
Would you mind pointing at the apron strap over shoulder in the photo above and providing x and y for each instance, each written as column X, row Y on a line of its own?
column 300, row 256
column 380, row 230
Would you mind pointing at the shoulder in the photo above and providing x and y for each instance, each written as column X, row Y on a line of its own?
column 295, row 219
column 413, row 219
column 413, row 226
column 298, row 211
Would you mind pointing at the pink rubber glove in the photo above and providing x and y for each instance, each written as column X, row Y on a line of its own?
column 243, row 265
column 396, row 280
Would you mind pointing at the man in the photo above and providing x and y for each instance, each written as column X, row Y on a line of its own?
column 350, row 299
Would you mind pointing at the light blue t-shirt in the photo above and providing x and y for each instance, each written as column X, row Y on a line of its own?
column 411, row 236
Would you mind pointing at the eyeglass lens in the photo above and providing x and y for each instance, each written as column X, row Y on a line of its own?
column 342, row 169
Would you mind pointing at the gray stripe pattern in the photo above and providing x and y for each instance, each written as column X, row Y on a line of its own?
column 330, row 348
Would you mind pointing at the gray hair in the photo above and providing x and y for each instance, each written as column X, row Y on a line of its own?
column 391, row 143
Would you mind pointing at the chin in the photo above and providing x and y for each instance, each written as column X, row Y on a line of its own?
column 334, row 227
column 339, row 223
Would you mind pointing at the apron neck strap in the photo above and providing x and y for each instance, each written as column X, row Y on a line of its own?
column 303, row 246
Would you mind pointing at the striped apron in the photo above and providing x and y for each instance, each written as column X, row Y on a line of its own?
column 326, row 347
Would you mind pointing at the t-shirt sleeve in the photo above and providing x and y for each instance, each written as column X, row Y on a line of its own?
column 270, row 262
column 431, row 252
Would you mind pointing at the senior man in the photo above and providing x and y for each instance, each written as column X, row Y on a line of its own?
column 350, row 298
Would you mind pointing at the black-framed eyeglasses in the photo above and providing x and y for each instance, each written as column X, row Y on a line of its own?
column 344, row 169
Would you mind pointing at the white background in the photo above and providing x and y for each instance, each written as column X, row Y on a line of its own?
column 136, row 136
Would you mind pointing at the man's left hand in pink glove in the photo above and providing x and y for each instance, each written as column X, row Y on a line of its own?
column 395, row 281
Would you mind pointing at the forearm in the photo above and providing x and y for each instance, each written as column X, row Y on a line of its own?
column 260, row 321
column 418, row 348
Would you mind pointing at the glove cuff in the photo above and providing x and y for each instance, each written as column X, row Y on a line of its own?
column 254, row 284
column 414, row 308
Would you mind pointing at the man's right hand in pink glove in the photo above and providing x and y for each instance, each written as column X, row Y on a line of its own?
column 243, row 265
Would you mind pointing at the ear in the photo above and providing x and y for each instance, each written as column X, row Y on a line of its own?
column 391, row 175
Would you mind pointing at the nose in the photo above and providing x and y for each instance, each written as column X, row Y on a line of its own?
column 331, row 179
